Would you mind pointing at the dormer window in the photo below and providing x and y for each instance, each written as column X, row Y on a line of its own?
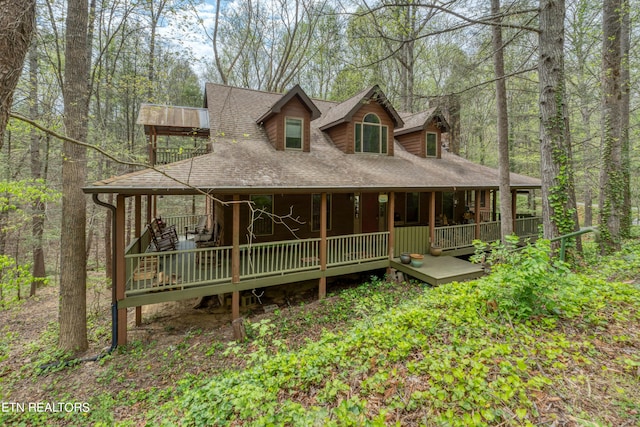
column 371, row 135
column 431, row 148
column 293, row 133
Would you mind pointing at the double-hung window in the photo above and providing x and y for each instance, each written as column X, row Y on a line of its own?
column 293, row 133
column 371, row 135
column 431, row 144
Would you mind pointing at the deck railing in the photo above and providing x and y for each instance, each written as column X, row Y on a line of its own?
column 153, row 271
column 165, row 156
column 262, row 259
column 181, row 269
column 528, row 227
column 357, row 248
column 490, row 231
column 455, row 236
column 184, row 222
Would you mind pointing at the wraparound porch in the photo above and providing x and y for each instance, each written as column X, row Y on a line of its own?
column 145, row 277
column 188, row 272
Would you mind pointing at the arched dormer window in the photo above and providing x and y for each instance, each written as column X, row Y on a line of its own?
column 371, row 135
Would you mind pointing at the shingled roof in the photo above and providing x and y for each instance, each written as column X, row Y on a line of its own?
column 169, row 120
column 419, row 121
column 244, row 161
column 344, row 111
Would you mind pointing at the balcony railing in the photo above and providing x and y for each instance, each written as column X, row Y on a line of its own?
column 168, row 155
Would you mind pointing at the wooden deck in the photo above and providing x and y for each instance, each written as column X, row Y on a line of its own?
column 188, row 272
column 441, row 269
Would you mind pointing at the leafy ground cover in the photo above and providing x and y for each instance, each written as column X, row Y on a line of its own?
column 534, row 343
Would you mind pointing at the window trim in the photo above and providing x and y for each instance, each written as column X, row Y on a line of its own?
column 426, row 144
column 251, row 196
column 383, row 142
column 301, row 120
column 329, row 211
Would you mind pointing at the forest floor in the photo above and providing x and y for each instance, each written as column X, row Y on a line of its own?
column 595, row 367
column 174, row 339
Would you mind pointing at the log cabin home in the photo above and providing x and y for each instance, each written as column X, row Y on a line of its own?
column 297, row 189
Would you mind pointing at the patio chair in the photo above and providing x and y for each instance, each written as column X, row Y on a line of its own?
column 212, row 240
column 163, row 240
column 209, row 238
column 163, row 231
column 199, row 229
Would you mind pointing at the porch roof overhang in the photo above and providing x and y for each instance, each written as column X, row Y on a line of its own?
column 252, row 166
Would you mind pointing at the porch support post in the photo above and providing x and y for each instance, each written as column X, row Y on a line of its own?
column 391, row 228
column 235, row 257
column 432, row 217
column 494, row 206
column 322, row 285
column 477, row 213
column 138, row 232
column 514, row 208
column 149, row 211
column 120, row 278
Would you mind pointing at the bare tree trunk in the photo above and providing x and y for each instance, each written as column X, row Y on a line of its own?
column 588, row 208
column 611, row 176
column 17, row 19
column 37, row 216
column 558, row 194
column 506, row 214
column 73, row 261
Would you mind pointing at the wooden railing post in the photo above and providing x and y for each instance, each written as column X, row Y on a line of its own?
column 391, row 228
column 432, row 217
column 138, row 232
column 477, row 213
column 235, row 257
column 120, row 279
column 322, row 285
column 514, row 207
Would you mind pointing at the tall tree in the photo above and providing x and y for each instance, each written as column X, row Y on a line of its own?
column 37, row 220
column 72, row 310
column 612, row 171
column 506, row 216
column 625, row 100
column 16, row 28
column 558, row 195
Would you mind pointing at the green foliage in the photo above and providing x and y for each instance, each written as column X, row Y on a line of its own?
column 13, row 278
column 524, row 281
column 382, row 353
column 447, row 354
column 15, row 194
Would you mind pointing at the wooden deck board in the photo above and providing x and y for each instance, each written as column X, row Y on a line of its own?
column 439, row 270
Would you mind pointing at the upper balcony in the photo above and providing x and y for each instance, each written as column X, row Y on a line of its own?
column 189, row 123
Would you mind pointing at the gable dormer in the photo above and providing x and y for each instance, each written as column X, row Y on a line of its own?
column 422, row 132
column 363, row 123
column 288, row 121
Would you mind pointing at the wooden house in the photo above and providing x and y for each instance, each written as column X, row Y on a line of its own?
column 296, row 189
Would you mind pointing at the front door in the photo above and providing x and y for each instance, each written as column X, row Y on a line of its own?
column 373, row 213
